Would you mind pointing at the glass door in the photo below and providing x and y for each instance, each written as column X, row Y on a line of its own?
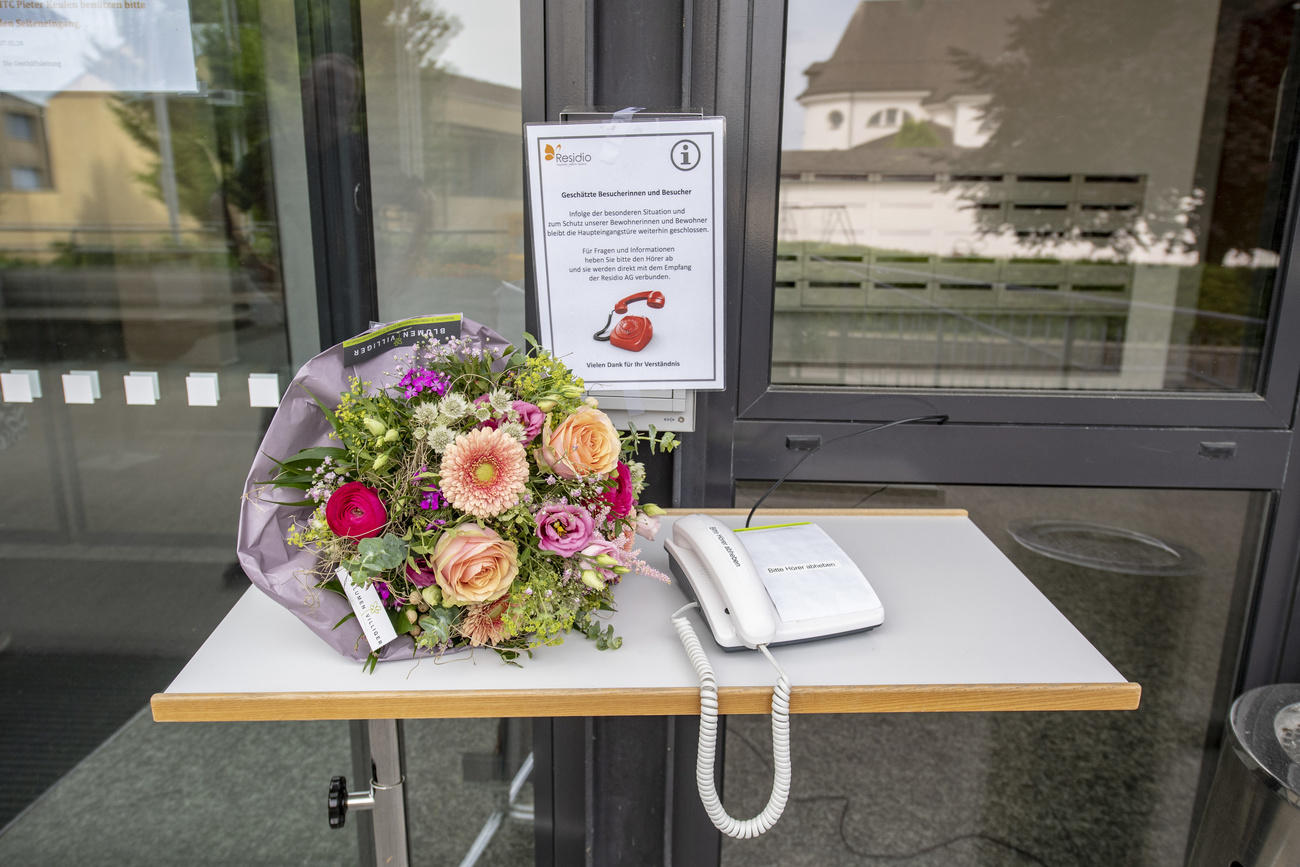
column 156, row 294
column 1066, row 227
column 168, row 258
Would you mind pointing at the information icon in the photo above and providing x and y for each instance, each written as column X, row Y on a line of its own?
column 685, row 155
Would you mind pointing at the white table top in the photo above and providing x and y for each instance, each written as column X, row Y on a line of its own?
column 964, row 630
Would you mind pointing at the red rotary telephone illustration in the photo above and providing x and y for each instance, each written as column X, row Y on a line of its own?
column 632, row 332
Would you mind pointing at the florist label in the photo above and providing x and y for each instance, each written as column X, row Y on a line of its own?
column 374, row 621
column 408, row 332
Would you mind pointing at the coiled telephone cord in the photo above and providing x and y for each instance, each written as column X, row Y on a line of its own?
column 706, row 754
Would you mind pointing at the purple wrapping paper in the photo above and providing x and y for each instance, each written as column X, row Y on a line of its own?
column 282, row 571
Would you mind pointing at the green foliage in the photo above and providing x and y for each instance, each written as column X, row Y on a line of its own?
column 662, row 441
column 605, row 638
column 916, row 134
column 375, row 556
column 437, row 628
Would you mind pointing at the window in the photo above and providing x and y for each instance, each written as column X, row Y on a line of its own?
column 20, row 127
column 25, row 178
column 889, row 117
column 835, row 118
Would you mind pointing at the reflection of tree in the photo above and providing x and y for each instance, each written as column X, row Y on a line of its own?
column 221, row 144
column 1084, row 87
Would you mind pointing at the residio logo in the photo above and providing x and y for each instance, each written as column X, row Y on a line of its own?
column 562, row 159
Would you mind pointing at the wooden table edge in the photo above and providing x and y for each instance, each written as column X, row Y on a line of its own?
column 666, row 701
column 863, row 513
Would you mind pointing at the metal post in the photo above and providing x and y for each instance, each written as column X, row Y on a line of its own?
column 387, row 753
column 362, row 769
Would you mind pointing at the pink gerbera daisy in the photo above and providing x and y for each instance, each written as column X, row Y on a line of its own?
column 483, row 472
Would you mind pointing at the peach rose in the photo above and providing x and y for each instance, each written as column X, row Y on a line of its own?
column 473, row 564
column 584, row 444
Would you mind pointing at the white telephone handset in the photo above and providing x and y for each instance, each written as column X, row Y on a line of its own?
column 719, row 573
column 735, row 602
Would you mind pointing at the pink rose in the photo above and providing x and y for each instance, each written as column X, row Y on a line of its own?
column 583, row 444
column 565, row 530
column 473, row 564
column 620, row 496
column 355, row 511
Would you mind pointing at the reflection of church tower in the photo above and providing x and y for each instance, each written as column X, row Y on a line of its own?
column 894, row 68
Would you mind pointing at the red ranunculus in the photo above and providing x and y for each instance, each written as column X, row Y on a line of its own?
column 355, row 511
column 621, row 495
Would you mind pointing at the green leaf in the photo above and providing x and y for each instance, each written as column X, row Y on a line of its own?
column 401, row 623
column 290, row 502
column 382, row 553
column 438, row 624
column 318, row 453
column 348, row 617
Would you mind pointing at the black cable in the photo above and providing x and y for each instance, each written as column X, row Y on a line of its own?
column 937, row 419
column 908, row 856
column 844, row 802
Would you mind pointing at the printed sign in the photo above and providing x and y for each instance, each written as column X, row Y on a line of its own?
column 106, row 45
column 628, row 249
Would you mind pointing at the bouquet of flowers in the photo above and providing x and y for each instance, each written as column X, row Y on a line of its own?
column 486, row 499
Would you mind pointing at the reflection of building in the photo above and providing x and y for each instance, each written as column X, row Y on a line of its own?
column 103, row 191
column 24, row 151
column 448, row 220
column 89, row 247
column 965, row 217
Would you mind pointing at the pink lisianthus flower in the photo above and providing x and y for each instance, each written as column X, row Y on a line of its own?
column 621, row 496
column 598, row 560
column 354, row 511
column 647, row 526
column 531, row 418
column 563, row 529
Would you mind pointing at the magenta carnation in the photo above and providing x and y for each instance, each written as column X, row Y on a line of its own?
column 564, row 530
column 421, row 575
column 621, row 496
column 355, row 511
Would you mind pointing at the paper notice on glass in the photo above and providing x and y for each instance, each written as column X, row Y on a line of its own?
column 807, row 575
column 370, row 612
column 130, row 45
column 628, row 241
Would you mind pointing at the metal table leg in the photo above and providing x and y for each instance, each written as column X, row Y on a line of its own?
column 378, row 755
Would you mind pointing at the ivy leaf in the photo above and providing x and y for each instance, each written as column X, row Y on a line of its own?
column 401, row 623
column 437, row 624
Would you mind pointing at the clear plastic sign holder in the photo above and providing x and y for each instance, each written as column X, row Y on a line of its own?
column 665, row 409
